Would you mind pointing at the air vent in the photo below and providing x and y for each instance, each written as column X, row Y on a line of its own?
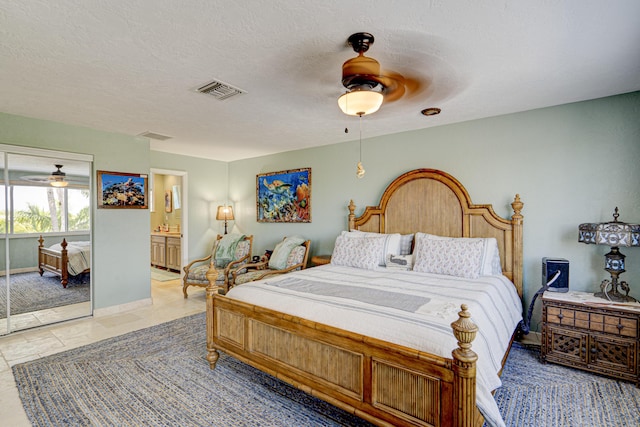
column 153, row 135
column 219, row 90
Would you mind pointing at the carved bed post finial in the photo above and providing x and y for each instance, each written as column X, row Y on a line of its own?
column 211, row 290
column 517, row 206
column 352, row 215
column 517, row 220
column 464, row 368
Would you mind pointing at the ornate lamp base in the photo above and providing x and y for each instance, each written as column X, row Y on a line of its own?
column 613, row 294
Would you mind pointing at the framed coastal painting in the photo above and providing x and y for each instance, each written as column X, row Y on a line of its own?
column 284, row 196
column 119, row 190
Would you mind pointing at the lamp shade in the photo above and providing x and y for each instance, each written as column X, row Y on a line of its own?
column 360, row 102
column 225, row 213
column 614, row 233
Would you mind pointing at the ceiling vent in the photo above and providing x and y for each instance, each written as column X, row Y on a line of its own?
column 219, row 90
column 153, row 135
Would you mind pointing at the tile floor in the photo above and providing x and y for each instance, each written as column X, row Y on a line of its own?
column 168, row 304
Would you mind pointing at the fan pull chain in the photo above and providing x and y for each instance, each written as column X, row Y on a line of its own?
column 360, row 170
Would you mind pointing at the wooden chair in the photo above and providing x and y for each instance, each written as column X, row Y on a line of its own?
column 195, row 273
column 296, row 260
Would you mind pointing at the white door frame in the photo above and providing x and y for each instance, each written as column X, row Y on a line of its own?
column 185, row 209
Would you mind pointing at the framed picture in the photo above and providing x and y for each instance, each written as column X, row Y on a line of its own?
column 118, row 190
column 284, row 196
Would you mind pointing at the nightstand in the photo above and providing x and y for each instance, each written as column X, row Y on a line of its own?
column 320, row 259
column 592, row 334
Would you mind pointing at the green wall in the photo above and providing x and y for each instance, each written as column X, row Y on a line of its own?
column 571, row 164
column 120, row 237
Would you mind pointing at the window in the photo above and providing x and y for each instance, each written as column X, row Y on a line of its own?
column 45, row 209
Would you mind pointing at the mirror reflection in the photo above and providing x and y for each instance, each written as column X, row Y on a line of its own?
column 46, row 224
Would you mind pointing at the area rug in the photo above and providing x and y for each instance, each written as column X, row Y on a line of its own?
column 163, row 275
column 535, row 394
column 159, row 377
column 31, row 292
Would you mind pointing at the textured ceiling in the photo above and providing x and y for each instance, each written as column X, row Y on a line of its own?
column 131, row 67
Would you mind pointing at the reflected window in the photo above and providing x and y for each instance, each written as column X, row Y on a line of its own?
column 41, row 209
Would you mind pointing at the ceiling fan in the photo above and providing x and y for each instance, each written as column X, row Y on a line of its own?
column 57, row 178
column 367, row 87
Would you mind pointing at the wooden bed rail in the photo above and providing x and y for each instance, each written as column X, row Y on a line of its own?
column 381, row 382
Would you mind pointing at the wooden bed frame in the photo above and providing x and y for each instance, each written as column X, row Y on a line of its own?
column 55, row 261
column 384, row 383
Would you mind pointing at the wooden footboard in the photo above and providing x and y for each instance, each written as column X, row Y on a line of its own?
column 384, row 383
column 53, row 261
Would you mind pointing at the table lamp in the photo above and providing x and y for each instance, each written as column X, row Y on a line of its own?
column 614, row 234
column 225, row 213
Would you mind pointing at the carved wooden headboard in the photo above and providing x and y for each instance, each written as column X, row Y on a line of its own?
column 434, row 202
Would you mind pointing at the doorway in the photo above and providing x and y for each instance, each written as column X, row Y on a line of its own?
column 168, row 222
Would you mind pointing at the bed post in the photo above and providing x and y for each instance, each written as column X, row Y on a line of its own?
column 352, row 216
column 40, row 256
column 516, row 220
column 464, row 368
column 212, row 289
column 64, row 262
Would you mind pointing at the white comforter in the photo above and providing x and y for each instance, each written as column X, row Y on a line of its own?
column 398, row 306
column 79, row 254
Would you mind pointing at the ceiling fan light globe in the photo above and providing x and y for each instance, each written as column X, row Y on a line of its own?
column 360, row 102
column 58, row 183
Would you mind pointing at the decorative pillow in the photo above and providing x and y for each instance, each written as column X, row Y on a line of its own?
column 296, row 256
column 391, row 242
column 362, row 252
column 490, row 253
column 453, row 257
column 406, row 241
column 278, row 259
column 399, row 262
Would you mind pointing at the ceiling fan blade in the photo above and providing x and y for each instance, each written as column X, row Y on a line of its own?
column 394, row 86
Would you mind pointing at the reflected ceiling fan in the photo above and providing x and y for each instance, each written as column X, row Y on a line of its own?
column 367, row 86
column 56, row 178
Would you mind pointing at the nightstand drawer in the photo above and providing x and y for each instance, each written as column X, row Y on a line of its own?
column 611, row 324
column 621, row 326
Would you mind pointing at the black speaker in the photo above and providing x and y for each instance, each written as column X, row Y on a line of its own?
column 550, row 267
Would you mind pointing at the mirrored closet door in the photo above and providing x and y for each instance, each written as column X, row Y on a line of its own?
column 46, row 227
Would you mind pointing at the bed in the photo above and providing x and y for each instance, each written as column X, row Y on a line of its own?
column 64, row 259
column 378, row 374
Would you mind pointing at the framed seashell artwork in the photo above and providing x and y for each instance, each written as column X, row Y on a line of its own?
column 120, row 190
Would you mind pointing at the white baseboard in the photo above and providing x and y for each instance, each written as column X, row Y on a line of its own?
column 534, row 338
column 115, row 309
column 19, row 270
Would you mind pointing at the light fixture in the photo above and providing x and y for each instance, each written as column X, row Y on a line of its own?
column 614, row 234
column 360, row 101
column 58, row 184
column 56, row 179
column 225, row 213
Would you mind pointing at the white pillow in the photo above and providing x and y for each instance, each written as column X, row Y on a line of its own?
column 461, row 258
column 391, row 242
column 399, row 262
column 362, row 252
column 490, row 256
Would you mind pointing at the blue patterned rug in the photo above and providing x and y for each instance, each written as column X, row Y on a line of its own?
column 159, row 377
column 31, row 292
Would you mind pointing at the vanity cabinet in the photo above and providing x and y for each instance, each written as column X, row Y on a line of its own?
column 159, row 251
column 166, row 251
column 173, row 253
